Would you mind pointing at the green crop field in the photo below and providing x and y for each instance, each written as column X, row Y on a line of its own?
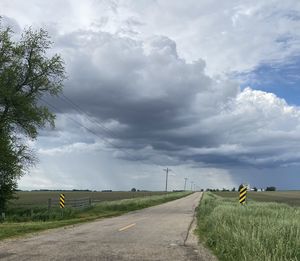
column 40, row 198
column 291, row 198
column 255, row 231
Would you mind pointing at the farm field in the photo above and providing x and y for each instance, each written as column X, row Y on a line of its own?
column 40, row 198
column 256, row 231
column 291, row 198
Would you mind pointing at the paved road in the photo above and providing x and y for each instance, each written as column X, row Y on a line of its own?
column 156, row 233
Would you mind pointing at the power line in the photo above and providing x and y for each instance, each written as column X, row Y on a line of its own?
column 91, row 131
column 104, row 129
column 91, row 118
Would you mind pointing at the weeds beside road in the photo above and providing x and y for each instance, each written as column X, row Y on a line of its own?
column 256, row 231
column 41, row 219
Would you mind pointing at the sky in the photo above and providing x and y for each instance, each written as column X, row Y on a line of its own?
column 209, row 89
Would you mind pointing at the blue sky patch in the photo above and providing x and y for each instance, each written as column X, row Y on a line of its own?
column 282, row 80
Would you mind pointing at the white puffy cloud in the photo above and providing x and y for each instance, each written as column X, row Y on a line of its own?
column 232, row 36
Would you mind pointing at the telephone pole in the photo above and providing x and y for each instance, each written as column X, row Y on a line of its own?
column 167, row 174
column 185, row 179
column 192, row 182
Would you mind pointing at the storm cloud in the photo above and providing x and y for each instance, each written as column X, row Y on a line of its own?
column 165, row 90
column 160, row 103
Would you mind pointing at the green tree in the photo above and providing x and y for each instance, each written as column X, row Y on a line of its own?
column 240, row 187
column 271, row 188
column 26, row 74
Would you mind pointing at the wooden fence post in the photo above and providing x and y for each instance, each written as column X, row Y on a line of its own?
column 49, row 204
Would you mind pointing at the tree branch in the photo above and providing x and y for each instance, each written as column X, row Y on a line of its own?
column 28, row 73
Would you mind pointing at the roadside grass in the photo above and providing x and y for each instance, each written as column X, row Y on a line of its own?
column 256, row 231
column 40, row 219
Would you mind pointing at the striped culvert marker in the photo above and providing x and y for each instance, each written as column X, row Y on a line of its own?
column 62, row 201
column 243, row 195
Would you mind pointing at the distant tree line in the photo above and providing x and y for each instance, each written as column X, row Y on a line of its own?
column 138, row 190
column 271, row 188
column 58, row 190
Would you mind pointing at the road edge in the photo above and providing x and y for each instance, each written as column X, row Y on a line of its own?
column 192, row 240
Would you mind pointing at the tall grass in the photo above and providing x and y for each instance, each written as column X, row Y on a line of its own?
column 257, row 231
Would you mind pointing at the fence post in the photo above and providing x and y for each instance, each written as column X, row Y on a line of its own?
column 49, row 204
column 3, row 216
column 90, row 202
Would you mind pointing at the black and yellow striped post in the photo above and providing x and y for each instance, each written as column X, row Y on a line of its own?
column 243, row 195
column 62, row 201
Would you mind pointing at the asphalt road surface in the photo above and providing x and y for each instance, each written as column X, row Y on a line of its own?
column 155, row 233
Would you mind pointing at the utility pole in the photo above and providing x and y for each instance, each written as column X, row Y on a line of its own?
column 167, row 174
column 185, row 179
column 192, row 185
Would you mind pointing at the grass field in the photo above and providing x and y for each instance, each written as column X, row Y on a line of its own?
column 256, row 231
column 40, row 198
column 291, row 198
column 45, row 220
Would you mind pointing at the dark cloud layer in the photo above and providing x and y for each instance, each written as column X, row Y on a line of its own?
column 158, row 100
